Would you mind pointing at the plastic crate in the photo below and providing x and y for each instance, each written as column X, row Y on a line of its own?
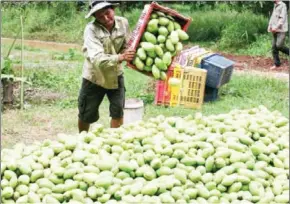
column 174, row 91
column 193, row 84
column 191, row 92
column 219, row 70
column 162, row 92
column 198, row 60
column 211, row 94
column 142, row 24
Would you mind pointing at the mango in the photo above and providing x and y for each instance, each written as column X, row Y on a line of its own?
column 163, row 21
column 176, row 26
column 147, row 46
column 161, row 38
column 169, row 45
column 150, row 38
column 158, row 50
column 163, row 31
column 155, row 72
column 139, row 64
column 149, row 61
column 174, row 37
column 141, row 53
column 182, row 35
column 160, row 64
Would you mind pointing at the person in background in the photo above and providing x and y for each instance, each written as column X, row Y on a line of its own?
column 278, row 26
column 104, row 50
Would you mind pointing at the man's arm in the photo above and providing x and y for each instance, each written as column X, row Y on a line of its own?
column 97, row 56
column 282, row 17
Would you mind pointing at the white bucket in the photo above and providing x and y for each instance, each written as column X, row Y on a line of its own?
column 133, row 110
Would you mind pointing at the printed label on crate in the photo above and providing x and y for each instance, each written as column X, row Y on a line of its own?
column 137, row 33
column 182, row 57
column 192, row 57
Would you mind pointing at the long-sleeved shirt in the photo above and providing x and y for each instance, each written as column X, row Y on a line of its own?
column 101, row 49
column 279, row 19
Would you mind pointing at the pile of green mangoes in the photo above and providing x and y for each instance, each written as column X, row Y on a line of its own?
column 159, row 43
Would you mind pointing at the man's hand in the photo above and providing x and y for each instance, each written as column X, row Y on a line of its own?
column 128, row 55
column 272, row 30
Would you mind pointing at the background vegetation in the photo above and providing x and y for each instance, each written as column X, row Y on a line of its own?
column 229, row 26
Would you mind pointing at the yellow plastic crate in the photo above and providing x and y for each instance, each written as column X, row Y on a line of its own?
column 198, row 60
column 174, row 91
column 191, row 92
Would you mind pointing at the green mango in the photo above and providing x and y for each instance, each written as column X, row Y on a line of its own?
column 167, row 58
column 163, row 76
column 163, row 31
column 141, row 53
column 149, row 61
column 152, row 26
column 169, row 45
column 147, row 46
column 148, row 68
column 163, row 21
column 155, row 72
column 150, row 38
column 139, row 64
column 178, row 47
column 158, row 50
column 151, row 54
column 182, row 35
column 160, row 64
column 174, row 37
column 170, row 26
column 176, row 26
column 159, row 13
column 153, row 16
column 161, row 38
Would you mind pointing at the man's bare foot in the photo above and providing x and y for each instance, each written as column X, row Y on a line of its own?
column 274, row 67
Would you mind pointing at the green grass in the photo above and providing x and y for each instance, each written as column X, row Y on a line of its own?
column 45, row 120
column 243, row 91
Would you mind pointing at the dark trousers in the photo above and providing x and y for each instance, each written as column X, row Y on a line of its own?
column 278, row 45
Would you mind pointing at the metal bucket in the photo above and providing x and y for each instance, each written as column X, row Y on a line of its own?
column 133, row 110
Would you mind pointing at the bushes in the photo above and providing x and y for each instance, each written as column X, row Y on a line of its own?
column 65, row 22
column 243, row 30
column 208, row 25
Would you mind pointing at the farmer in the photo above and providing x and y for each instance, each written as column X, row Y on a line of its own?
column 278, row 26
column 104, row 49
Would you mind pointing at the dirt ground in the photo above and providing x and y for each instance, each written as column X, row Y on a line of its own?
column 242, row 62
column 262, row 64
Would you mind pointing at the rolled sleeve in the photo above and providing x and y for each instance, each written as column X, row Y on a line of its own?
column 96, row 54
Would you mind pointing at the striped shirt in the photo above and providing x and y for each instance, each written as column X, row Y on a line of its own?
column 101, row 49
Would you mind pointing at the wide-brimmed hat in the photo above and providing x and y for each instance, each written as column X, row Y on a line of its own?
column 96, row 6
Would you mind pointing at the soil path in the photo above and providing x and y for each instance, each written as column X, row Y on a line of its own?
column 257, row 63
column 242, row 62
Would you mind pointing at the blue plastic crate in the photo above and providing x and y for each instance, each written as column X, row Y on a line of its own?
column 211, row 94
column 219, row 70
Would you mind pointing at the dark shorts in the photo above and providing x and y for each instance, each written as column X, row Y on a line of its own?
column 92, row 95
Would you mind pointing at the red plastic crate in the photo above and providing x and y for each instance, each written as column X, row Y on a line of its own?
column 162, row 92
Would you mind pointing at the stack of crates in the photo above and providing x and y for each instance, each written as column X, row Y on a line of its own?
column 189, row 94
column 219, row 72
